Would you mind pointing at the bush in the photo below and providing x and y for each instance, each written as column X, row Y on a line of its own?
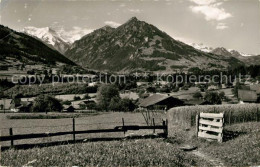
column 45, row 103
column 77, row 98
column 66, row 102
column 197, row 95
column 213, row 98
column 86, row 96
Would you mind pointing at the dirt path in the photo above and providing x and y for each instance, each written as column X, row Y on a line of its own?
column 213, row 161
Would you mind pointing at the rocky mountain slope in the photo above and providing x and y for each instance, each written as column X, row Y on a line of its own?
column 137, row 45
column 49, row 37
column 27, row 49
column 246, row 58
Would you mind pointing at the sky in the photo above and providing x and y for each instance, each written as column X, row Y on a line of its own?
column 233, row 24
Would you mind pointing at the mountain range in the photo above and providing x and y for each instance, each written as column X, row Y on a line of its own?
column 133, row 46
column 26, row 49
column 137, row 45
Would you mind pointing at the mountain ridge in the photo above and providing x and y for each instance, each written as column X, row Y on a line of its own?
column 27, row 49
column 137, row 45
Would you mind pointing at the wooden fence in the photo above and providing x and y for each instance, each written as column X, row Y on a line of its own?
column 124, row 128
column 210, row 126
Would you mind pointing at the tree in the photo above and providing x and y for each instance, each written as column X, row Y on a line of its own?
column 197, row 95
column 222, row 95
column 213, row 97
column 235, row 90
column 105, row 94
column 45, row 103
column 77, row 98
column 67, row 102
column 127, row 105
column 86, row 96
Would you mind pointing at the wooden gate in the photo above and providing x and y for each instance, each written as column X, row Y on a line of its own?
column 210, row 125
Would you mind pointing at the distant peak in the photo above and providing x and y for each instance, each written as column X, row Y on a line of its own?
column 133, row 19
column 107, row 28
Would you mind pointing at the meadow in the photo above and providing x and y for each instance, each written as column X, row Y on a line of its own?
column 149, row 152
column 102, row 120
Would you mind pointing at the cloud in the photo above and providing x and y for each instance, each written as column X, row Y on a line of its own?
column 75, row 34
column 210, row 9
column 122, row 5
column 112, row 24
column 135, row 10
column 221, row 26
column 203, row 2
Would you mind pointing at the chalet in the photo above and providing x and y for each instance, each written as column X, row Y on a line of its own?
column 256, row 88
column 5, row 104
column 142, row 83
column 68, row 108
column 247, row 96
column 17, row 105
column 160, row 102
column 213, row 87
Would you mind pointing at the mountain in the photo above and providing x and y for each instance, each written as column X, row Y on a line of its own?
column 248, row 59
column 201, row 47
column 48, row 36
column 26, row 49
column 139, row 46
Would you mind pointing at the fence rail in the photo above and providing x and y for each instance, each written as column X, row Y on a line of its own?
column 123, row 129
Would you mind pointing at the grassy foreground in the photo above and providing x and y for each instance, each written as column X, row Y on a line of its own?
column 242, row 150
column 150, row 152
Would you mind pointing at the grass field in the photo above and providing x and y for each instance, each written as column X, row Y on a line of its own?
column 241, row 150
column 149, row 152
column 100, row 121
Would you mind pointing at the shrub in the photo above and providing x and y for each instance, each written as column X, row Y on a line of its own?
column 45, row 103
column 213, row 98
column 66, row 102
column 77, row 98
column 197, row 95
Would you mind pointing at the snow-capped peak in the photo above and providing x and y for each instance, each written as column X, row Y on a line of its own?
column 241, row 53
column 48, row 36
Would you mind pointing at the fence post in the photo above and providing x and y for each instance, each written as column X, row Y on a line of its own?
column 165, row 130
column 11, row 134
column 123, row 121
column 197, row 124
column 257, row 114
column 153, row 125
column 73, row 128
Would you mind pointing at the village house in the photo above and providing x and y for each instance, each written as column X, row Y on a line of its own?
column 17, row 105
column 247, row 96
column 160, row 102
column 256, row 88
column 212, row 87
column 5, row 104
column 68, row 108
